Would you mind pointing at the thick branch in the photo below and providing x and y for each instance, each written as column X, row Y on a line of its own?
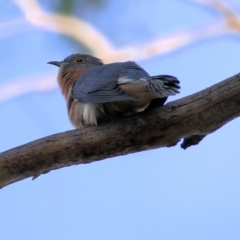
column 195, row 115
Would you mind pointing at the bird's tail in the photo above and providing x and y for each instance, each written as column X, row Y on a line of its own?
column 162, row 85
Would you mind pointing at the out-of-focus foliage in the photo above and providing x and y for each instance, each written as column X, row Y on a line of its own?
column 68, row 6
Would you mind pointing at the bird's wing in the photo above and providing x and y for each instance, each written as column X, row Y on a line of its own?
column 101, row 84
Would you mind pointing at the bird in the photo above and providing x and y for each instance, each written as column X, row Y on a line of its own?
column 96, row 92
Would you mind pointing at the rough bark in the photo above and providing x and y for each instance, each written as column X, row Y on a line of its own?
column 191, row 118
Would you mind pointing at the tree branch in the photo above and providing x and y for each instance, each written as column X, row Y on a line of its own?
column 191, row 118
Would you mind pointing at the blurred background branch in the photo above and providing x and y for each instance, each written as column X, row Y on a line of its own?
column 86, row 34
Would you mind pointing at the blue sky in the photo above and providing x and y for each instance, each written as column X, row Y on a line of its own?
column 165, row 193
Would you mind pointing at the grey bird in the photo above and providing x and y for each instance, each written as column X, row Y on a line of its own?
column 97, row 92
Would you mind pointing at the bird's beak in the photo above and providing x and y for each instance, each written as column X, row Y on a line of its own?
column 56, row 63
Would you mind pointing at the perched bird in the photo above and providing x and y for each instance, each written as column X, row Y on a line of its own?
column 97, row 92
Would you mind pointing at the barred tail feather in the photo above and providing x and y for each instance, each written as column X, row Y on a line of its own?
column 163, row 85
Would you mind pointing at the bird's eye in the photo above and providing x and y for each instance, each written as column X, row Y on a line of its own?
column 79, row 60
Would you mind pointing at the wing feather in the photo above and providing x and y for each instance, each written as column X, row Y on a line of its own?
column 101, row 84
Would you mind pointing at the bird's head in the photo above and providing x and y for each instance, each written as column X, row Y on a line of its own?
column 72, row 67
column 78, row 62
